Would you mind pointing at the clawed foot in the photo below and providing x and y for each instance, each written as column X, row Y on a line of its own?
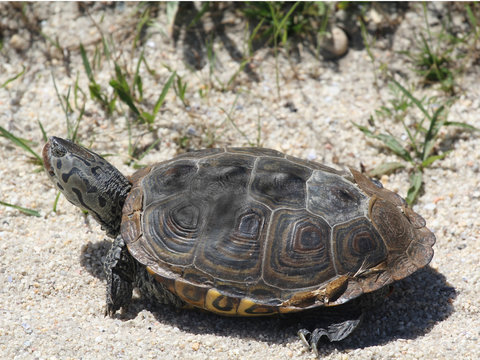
column 334, row 332
column 119, row 271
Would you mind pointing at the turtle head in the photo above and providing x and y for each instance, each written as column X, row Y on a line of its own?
column 88, row 181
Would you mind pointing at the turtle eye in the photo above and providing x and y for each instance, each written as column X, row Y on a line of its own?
column 377, row 183
column 57, row 150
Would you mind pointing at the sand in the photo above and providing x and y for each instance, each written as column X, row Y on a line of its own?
column 52, row 285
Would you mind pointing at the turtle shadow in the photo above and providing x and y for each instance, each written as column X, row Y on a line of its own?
column 413, row 308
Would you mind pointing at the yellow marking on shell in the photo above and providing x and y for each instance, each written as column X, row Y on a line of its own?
column 150, row 271
column 191, row 294
column 247, row 307
column 288, row 309
column 220, row 304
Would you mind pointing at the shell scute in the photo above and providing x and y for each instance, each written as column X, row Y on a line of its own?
column 298, row 250
column 334, row 198
column 278, row 183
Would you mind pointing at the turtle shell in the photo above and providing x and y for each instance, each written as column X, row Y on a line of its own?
column 246, row 231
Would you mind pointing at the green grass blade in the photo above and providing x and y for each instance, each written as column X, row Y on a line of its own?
column 461, row 124
column 137, row 79
column 86, row 63
column 172, row 8
column 147, row 117
column 13, row 78
column 64, row 108
column 55, row 203
column 431, row 159
column 415, row 186
column 142, row 24
column 385, row 168
column 203, row 10
column 283, row 21
column 44, row 134
column 122, row 89
column 22, row 209
column 163, row 94
column 147, row 150
column 472, row 19
column 435, row 125
column 410, row 137
column 395, row 146
column 124, row 95
column 413, row 98
column 389, row 141
column 20, row 142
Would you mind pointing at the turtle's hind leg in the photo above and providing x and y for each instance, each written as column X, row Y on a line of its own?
column 119, row 267
column 336, row 331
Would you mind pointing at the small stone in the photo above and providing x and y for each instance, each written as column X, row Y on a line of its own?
column 335, row 45
column 195, row 346
column 430, row 206
column 18, row 43
column 375, row 17
column 384, row 180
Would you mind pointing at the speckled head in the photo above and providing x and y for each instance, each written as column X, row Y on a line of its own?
column 88, row 181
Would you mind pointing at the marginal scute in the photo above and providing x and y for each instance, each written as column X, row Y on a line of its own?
column 416, row 220
column 135, row 201
column 401, row 266
column 130, row 227
column 193, row 294
column 392, row 225
column 371, row 189
column 221, row 304
column 420, row 254
column 248, row 307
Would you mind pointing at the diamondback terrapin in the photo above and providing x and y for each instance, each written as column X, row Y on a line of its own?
column 243, row 231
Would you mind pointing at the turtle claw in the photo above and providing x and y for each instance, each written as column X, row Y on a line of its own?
column 334, row 332
column 110, row 310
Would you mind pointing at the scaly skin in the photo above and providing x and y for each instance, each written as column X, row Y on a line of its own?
column 124, row 273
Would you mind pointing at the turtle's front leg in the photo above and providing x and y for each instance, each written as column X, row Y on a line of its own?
column 119, row 268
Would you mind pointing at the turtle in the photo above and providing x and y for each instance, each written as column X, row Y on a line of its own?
column 243, row 231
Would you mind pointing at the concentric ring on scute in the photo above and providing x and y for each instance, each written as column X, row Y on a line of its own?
column 298, row 250
column 172, row 228
column 356, row 244
column 234, row 251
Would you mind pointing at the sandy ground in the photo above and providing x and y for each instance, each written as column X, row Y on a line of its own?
column 52, row 286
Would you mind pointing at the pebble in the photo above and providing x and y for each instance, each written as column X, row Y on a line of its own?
column 336, row 43
column 430, row 206
column 18, row 43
